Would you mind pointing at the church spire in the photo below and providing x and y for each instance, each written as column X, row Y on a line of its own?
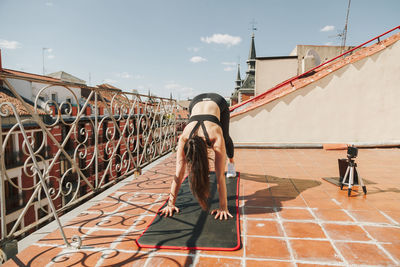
column 252, row 57
column 238, row 79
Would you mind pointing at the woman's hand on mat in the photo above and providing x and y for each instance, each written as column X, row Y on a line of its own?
column 221, row 214
column 169, row 211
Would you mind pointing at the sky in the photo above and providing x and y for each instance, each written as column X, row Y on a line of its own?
column 178, row 47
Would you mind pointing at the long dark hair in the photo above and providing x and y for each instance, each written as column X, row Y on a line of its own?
column 197, row 158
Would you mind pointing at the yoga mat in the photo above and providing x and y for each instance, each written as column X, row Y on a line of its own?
column 193, row 228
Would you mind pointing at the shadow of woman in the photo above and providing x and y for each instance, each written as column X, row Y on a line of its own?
column 269, row 199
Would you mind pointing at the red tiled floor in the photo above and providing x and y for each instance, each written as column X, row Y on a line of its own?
column 296, row 214
column 263, row 228
column 384, row 234
column 332, row 215
column 205, row 261
column 33, row 256
column 170, row 261
column 264, row 263
column 303, row 230
column 345, row 232
column 358, row 253
column 269, row 248
column 259, row 213
column 311, row 250
column 373, row 216
column 276, row 185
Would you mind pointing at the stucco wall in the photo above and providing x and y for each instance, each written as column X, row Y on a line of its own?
column 270, row 72
column 358, row 103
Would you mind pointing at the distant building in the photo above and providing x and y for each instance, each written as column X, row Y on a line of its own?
column 273, row 70
column 244, row 89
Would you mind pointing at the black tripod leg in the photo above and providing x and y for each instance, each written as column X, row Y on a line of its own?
column 364, row 189
column 349, row 192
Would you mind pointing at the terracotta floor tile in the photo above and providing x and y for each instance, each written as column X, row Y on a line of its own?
column 101, row 238
column 282, row 201
column 322, row 203
column 268, row 248
column 33, row 256
column 259, row 213
column 76, row 257
column 394, row 215
column 254, row 201
column 311, row 250
column 357, row 204
column 84, row 217
column 303, row 230
column 394, row 250
column 384, row 234
column 170, row 261
column 106, row 206
column 56, row 237
column 358, row 253
column 264, row 263
column 118, row 258
column 206, row 261
column 332, row 215
column 128, row 241
column 263, row 228
column 372, row 216
column 345, row 232
column 296, row 214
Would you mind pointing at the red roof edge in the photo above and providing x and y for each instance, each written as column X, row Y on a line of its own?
column 308, row 72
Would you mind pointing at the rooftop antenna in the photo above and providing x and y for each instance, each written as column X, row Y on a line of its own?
column 344, row 33
column 43, row 50
column 253, row 23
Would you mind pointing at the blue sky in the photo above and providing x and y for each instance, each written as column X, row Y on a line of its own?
column 181, row 47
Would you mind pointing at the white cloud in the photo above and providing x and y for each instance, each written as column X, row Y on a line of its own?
column 327, row 28
column 49, row 4
column 197, row 59
column 229, row 68
column 224, row 39
column 109, row 81
column 51, row 56
column 9, row 44
column 228, row 63
column 194, row 49
column 179, row 91
column 124, row 75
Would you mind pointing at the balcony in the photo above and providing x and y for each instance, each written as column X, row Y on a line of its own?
column 289, row 216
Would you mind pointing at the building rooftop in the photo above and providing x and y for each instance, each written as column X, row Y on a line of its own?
column 290, row 216
column 299, row 82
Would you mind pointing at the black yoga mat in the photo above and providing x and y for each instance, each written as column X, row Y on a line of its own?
column 193, row 228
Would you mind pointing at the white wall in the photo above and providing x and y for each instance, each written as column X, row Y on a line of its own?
column 62, row 92
column 358, row 103
column 22, row 87
column 270, row 72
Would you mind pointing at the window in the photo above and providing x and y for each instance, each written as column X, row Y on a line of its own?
column 14, row 199
column 54, row 97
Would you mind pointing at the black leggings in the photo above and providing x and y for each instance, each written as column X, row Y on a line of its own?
column 223, row 117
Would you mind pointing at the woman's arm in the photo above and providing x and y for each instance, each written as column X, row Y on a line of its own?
column 178, row 177
column 220, row 160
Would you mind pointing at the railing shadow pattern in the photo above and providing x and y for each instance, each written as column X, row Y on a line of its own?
column 69, row 153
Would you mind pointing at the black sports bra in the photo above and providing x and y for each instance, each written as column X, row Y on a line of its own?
column 200, row 122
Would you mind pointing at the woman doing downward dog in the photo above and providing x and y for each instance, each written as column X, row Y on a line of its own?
column 208, row 127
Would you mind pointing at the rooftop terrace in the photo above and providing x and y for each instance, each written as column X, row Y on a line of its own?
column 290, row 216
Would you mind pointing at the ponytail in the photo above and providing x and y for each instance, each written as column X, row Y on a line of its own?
column 197, row 158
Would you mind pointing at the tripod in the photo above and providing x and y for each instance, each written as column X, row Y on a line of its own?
column 351, row 177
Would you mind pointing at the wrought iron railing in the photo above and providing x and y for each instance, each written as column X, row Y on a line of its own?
column 82, row 150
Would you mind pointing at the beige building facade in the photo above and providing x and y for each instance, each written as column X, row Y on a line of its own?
column 356, row 104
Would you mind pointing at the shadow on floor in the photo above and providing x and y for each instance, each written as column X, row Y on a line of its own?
column 276, row 191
